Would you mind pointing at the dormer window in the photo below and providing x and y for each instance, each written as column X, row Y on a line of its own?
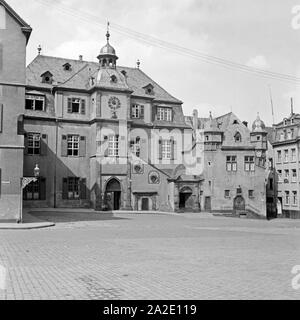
column 67, row 67
column 235, row 122
column 164, row 114
column 47, row 77
column 113, row 79
column 237, row 137
column 285, row 122
column 149, row 89
column 124, row 73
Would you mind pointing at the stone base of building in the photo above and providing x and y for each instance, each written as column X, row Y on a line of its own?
column 290, row 214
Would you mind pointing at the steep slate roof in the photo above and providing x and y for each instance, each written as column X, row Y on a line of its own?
column 25, row 26
column 78, row 77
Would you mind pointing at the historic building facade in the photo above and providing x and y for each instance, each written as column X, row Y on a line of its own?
column 105, row 137
column 14, row 35
column 235, row 165
column 286, row 161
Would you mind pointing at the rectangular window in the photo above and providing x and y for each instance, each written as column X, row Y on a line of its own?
column 249, row 163
column 73, row 188
column 286, row 173
column 76, row 105
column 295, row 198
column 73, row 145
column 35, row 190
column 227, row 194
column 135, row 146
column 166, row 149
column 34, row 143
column 137, row 111
column 231, row 163
column 36, row 103
column 286, row 155
column 164, row 114
column 293, row 157
column 279, row 158
column 294, row 175
column 251, row 193
column 287, row 197
column 279, row 172
column 113, row 146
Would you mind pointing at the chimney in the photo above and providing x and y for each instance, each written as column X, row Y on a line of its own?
column 80, row 58
column 195, row 119
column 245, row 123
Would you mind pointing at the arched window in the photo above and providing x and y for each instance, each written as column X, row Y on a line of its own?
column 237, row 137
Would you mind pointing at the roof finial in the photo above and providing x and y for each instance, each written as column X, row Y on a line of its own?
column 39, row 49
column 138, row 63
column 210, row 115
column 108, row 34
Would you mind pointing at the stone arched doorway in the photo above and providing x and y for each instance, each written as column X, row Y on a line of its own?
column 113, row 194
column 186, row 198
column 239, row 204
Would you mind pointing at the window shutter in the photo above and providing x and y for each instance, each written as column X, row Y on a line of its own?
column 142, row 114
column 26, row 143
column 82, row 106
column 154, row 113
column 160, row 149
column 1, row 117
column 20, row 126
column 82, row 147
column 65, row 189
column 174, row 147
column 64, row 146
column 83, row 189
column 69, row 105
column 43, row 189
column 44, row 145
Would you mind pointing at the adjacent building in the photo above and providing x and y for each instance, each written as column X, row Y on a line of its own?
column 236, row 168
column 286, row 160
column 14, row 35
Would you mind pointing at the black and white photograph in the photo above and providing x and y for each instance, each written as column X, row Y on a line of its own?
column 149, row 151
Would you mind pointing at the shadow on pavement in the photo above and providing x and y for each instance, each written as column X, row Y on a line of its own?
column 63, row 217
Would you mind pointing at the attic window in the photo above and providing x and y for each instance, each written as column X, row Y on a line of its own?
column 149, row 89
column 67, row 67
column 235, row 122
column 47, row 77
column 113, row 79
column 237, row 137
column 124, row 73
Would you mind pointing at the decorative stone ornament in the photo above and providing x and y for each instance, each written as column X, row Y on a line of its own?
column 114, row 104
column 154, row 177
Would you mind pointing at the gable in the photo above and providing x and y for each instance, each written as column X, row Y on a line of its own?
column 5, row 8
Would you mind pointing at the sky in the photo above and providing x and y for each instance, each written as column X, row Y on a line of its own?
column 256, row 33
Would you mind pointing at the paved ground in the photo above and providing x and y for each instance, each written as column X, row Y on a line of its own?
column 132, row 256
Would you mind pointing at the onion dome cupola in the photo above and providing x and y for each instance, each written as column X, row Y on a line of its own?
column 107, row 57
column 258, row 125
column 258, row 137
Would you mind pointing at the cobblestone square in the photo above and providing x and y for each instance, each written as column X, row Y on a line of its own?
column 148, row 256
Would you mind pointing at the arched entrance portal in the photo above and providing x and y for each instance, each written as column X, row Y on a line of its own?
column 185, row 198
column 239, row 204
column 113, row 194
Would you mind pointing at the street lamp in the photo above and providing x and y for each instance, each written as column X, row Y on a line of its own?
column 25, row 181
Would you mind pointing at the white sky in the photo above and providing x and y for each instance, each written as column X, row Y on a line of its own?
column 252, row 32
